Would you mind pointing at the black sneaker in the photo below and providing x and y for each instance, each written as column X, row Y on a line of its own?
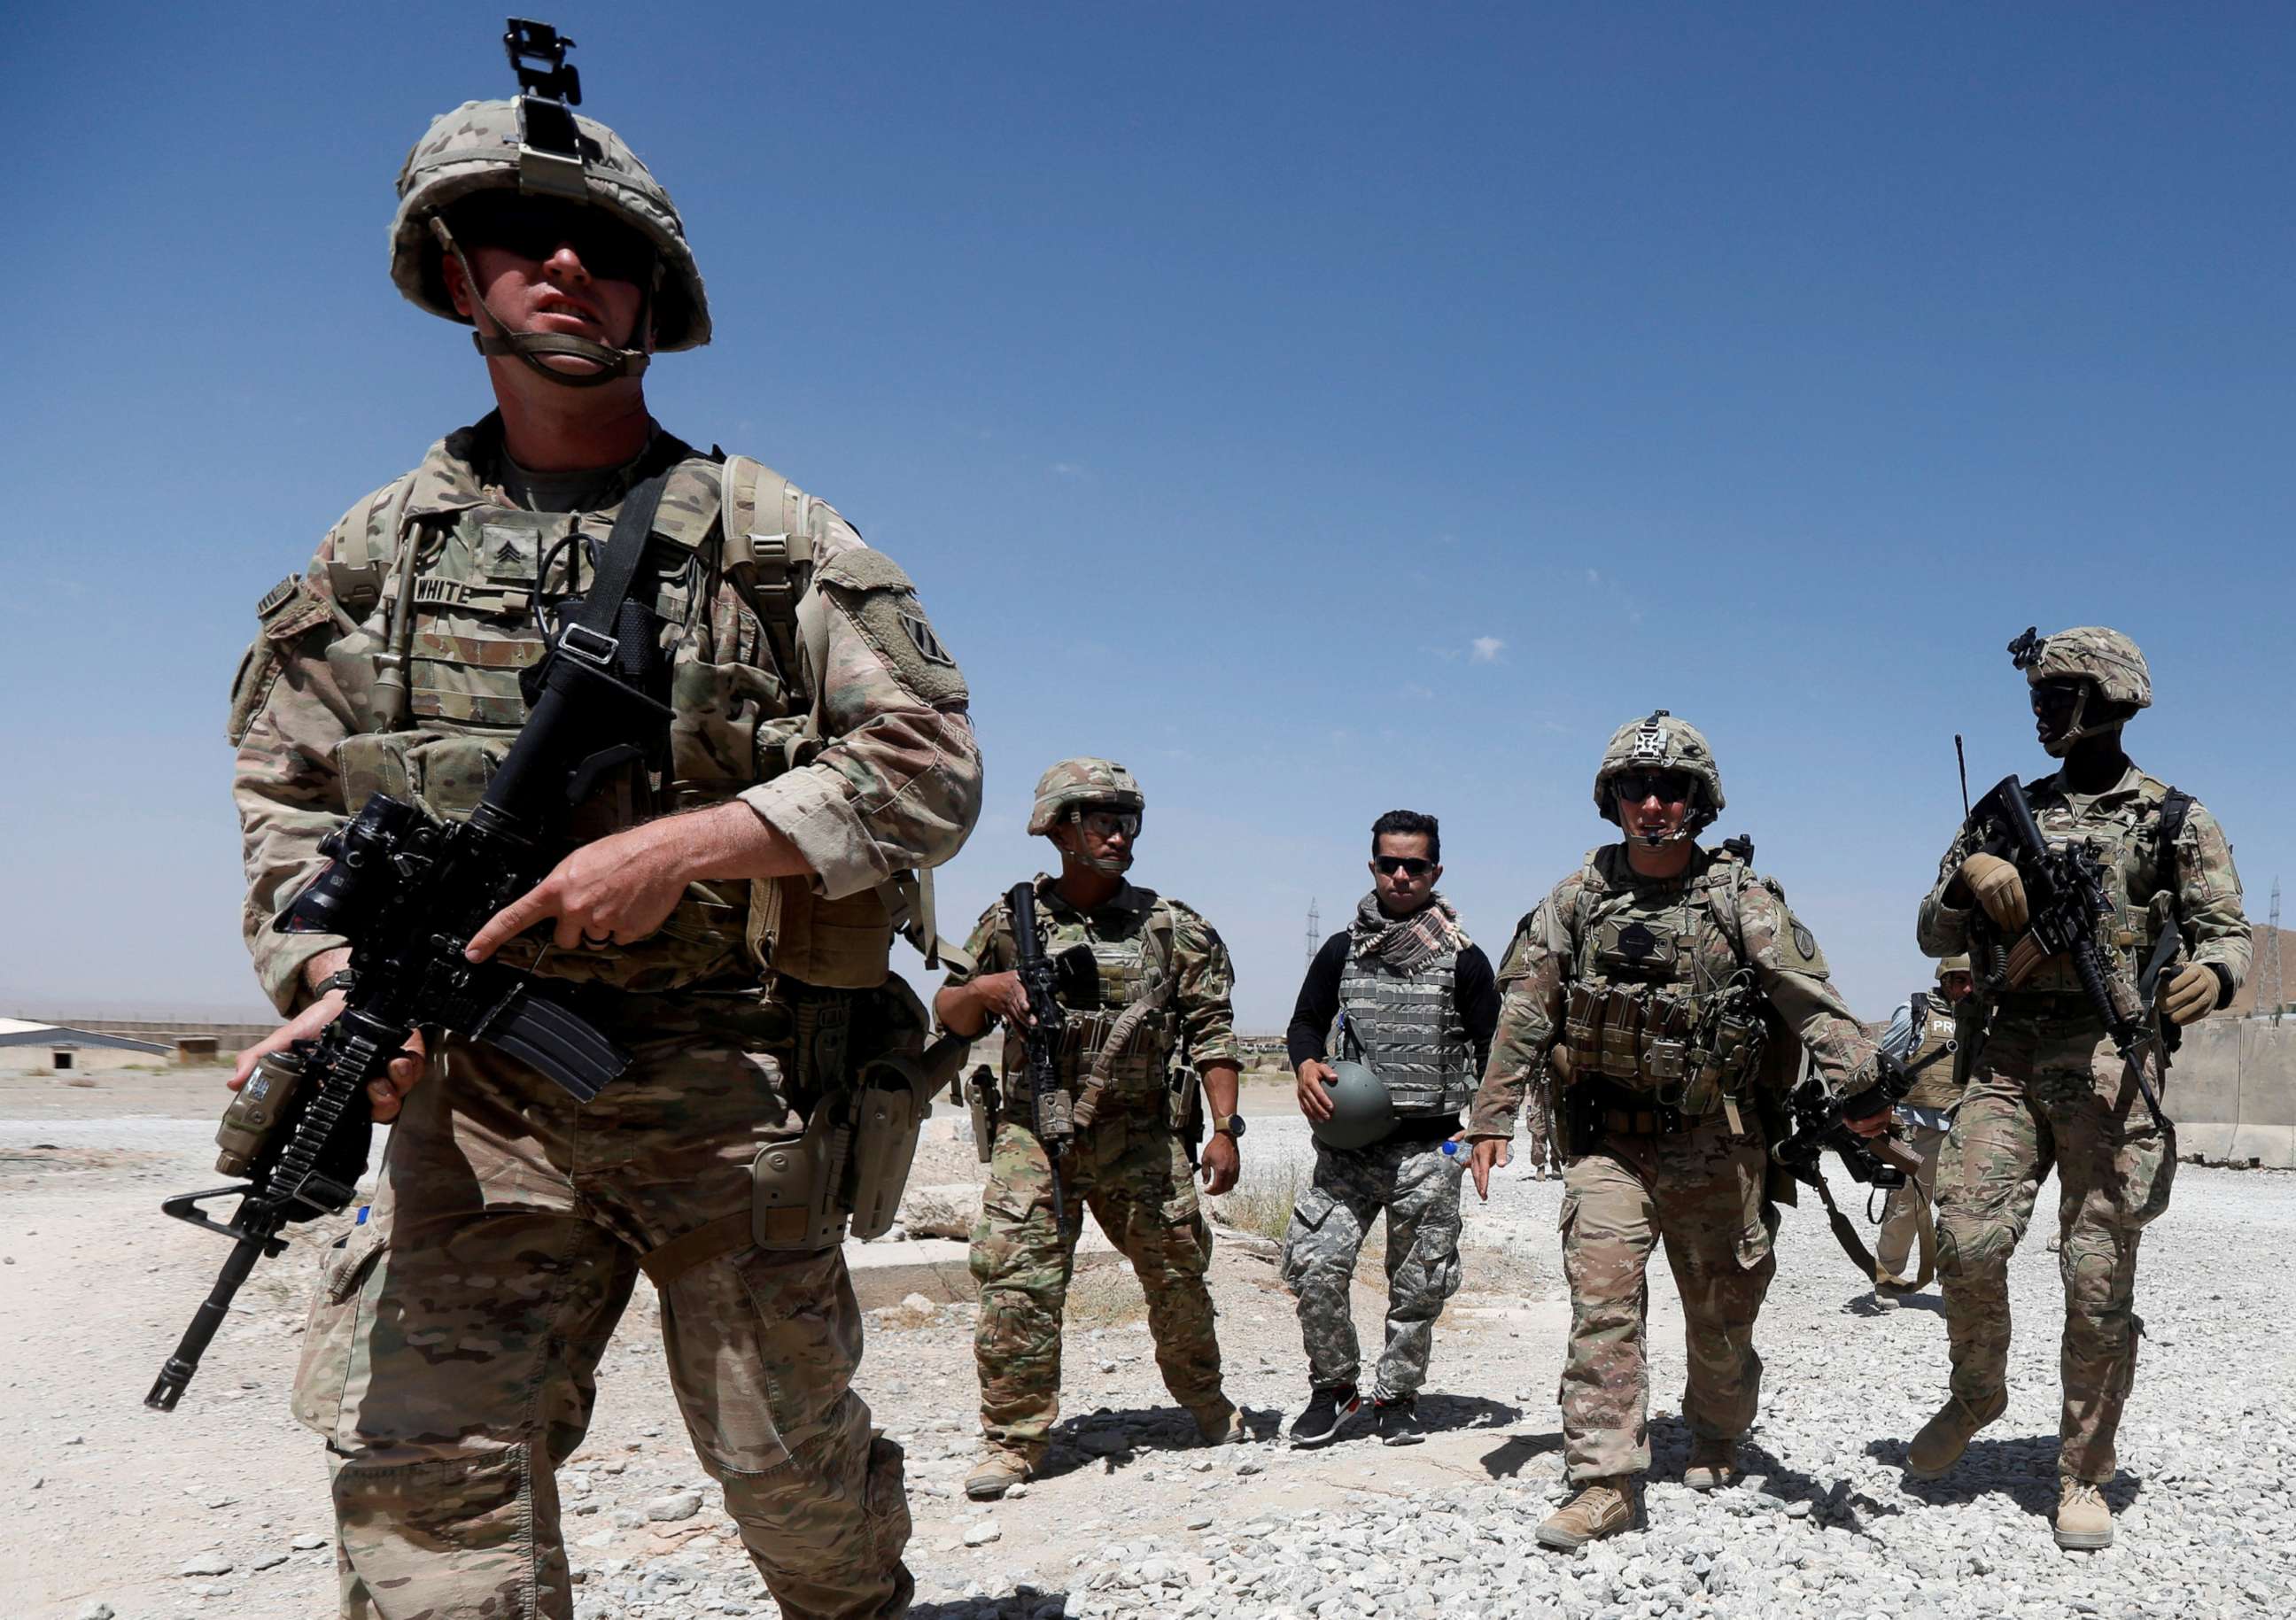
column 1319, row 1425
column 1398, row 1420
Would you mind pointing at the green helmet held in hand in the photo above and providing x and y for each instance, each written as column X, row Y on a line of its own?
column 1661, row 742
column 527, row 170
column 1362, row 1112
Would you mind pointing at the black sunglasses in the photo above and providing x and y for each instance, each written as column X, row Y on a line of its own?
column 534, row 227
column 1413, row 864
column 1665, row 786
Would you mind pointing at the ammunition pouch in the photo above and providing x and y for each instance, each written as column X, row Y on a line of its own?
column 1689, row 1052
column 1620, row 1056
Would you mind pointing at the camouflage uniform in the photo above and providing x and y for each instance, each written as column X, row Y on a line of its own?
column 2049, row 1088
column 1129, row 1167
column 1417, row 1186
column 1936, row 1047
column 452, row 1345
column 1649, row 1152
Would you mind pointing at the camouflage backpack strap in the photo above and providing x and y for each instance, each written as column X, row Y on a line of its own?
column 365, row 545
column 771, row 557
column 768, row 553
column 2175, row 805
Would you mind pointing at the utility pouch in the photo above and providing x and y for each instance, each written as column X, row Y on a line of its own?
column 894, row 1100
column 1622, row 1024
column 1582, row 1028
column 838, row 944
column 1665, row 1041
column 794, row 1204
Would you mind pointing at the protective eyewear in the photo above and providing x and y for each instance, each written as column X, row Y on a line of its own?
column 1413, row 864
column 536, row 227
column 1110, row 824
column 2060, row 697
column 1665, row 786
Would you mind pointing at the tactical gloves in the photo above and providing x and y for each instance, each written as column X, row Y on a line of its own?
column 2191, row 994
column 1999, row 890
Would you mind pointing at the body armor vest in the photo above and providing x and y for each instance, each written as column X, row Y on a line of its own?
column 1411, row 1032
column 1131, row 946
column 2127, row 836
column 453, row 584
column 1935, row 1082
column 1657, row 1001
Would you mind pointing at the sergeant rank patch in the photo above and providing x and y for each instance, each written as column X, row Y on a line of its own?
column 928, row 645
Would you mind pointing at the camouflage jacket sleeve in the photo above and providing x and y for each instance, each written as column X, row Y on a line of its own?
column 989, row 945
column 1532, row 979
column 2208, row 899
column 287, row 715
column 897, row 783
column 1943, row 931
column 1206, row 982
column 1791, row 971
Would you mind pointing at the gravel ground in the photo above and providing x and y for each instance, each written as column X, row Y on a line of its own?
column 220, row 1508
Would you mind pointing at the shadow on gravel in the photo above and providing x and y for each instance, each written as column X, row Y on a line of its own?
column 1118, row 1438
column 2023, row 1469
column 1513, row 1454
column 1006, row 1606
column 1441, row 1414
column 1870, row 1305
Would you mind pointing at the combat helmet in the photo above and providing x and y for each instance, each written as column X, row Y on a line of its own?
column 1074, row 784
column 535, row 146
column 1661, row 742
column 2109, row 663
column 1953, row 964
column 1362, row 1111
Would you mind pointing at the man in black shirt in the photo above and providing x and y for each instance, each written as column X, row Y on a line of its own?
column 1414, row 1000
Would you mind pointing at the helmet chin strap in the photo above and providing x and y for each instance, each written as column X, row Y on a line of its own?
column 533, row 347
column 2076, row 731
column 1114, row 866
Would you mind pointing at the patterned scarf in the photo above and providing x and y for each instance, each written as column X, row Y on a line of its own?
column 1405, row 944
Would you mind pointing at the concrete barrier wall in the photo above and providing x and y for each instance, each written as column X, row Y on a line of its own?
column 2233, row 1092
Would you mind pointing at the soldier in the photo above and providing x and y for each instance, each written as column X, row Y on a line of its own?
column 1635, row 999
column 2049, row 1084
column 819, row 746
column 1420, row 1003
column 1131, row 1166
column 1932, row 1035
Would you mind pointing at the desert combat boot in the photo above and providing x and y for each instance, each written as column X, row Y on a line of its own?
column 1713, row 1464
column 1603, row 1506
column 997, row 1472
column 1220, row 1423
column 2084, row 1523
column 1945, row 1436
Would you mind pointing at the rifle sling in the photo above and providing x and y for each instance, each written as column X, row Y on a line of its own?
column 1845, row 1232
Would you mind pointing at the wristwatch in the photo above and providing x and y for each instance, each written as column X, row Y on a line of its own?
column 1231, row 1126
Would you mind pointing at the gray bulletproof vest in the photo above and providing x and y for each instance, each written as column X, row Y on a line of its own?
column 1411, row 1032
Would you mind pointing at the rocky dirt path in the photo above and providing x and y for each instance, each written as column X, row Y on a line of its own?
column 220, row 1510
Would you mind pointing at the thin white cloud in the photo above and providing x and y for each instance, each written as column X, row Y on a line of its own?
column 1487, row 649
column 1070, row 470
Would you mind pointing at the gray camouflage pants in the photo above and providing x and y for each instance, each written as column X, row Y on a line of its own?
column 1417, row 1185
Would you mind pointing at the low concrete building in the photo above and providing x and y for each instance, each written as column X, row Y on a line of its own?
column 59, row 1049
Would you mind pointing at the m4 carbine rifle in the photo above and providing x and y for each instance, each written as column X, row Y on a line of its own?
column 409, row 892
column 1043, row 979
column 2066, row 904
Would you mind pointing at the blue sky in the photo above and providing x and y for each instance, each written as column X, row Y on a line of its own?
column 1319, row 408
